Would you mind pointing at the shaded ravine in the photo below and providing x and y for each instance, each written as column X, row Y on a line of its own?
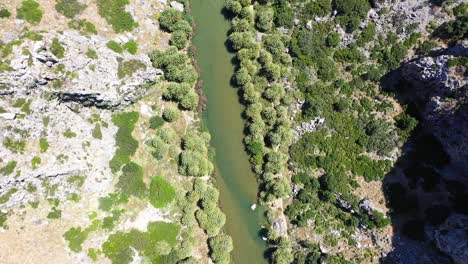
column 236, row 182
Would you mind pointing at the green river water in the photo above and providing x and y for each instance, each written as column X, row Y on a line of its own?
column 237, row 183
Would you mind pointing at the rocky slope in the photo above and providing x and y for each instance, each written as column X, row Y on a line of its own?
column 80, row 122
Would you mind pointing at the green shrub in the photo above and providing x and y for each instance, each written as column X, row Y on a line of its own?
column 283, row 253
column 174, row 64
column 211, row 220
column 6, row 196
column 97, row 134
column 35, row 162
column 83, row 26
column 349, row 55
column 43, row 144
column 367, row 34
column 160, row 148
column 264, row 18
column 193, row 163
column 161, row 192
column 167, row 135
column 221, row 247
column 116, row 47
column 351, row 12
column 69, row 8
column 8, row 168
column 69, row 134
column 318, row 8
column 233, row 6
column 333, row 39
column 76, row 237
column 458, row 61
column 126, row 144
column 427, row 46
column 15, row 146
column 183, row 94
column 171, row 114
column 156, row 122
column 456, row 29
column 284, row 14
column 131, row 180
column 91, row 53
column 55, row 214
column 131, row 46
column 169, row 18
column 4, row 13
column 57, row 49
column 114, row 13
column 461, row 9
column 30, row 11
column 179, row 39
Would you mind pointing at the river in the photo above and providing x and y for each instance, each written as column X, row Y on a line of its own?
column 236, row 182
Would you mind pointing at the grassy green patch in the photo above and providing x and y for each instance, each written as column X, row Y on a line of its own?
column 30, row 11
column 126, row 144
column 69, row 8
column 114, row 13
column 161, row 192
column 128, row 68
column 8, row 168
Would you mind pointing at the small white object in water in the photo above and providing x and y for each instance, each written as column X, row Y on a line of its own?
column 264, row 238
column 253, row 206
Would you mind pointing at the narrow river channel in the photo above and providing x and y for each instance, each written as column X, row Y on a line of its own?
column 237, row 183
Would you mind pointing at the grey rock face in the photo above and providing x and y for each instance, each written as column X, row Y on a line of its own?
column 451, row 239
column 442, row 94
column 91, row 81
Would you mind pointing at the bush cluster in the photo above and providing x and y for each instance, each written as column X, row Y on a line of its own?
column 30, row 11
column 174, row 21
column 193, row 160
column 4, row 13
column 262, row 70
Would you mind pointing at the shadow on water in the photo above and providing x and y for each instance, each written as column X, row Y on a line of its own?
column 426, row 186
